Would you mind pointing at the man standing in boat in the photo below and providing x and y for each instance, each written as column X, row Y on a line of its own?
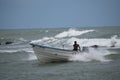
column 76, row 46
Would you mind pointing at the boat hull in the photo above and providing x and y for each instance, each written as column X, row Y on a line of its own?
column 49, row 54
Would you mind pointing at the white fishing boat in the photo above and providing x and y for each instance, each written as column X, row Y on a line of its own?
column 50, row 54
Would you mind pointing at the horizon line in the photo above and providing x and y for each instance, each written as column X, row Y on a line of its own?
column 57, row 27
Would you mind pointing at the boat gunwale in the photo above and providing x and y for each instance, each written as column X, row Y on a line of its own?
column 42, row 46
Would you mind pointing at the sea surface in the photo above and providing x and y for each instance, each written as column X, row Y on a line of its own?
column 19, row 62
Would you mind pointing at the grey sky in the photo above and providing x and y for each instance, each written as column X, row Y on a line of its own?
column 59, row 13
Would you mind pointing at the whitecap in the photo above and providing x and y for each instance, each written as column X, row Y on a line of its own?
column 72, row 32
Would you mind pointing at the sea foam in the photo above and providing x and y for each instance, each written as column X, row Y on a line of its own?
column 72, row 32
column 92, row 55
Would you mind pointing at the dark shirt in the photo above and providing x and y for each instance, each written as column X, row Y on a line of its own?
column 76, row 46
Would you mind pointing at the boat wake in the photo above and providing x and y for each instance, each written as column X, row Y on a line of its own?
column 92, row 55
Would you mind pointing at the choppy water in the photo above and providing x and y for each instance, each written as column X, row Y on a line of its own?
column 18, row 61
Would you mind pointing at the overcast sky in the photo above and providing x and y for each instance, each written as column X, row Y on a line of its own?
column 58, row 13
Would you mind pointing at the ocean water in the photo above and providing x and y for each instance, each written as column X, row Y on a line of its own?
column 18, row 60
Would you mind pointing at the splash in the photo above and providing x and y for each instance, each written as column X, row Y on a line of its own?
column 72, row 32
column 113, row 40
column 92, row 55
column 32, row 56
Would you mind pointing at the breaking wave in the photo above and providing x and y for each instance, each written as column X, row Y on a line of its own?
column 68, row 42
column 65, row 39
column 13, row 45
column 72, row 32
column 29, row 50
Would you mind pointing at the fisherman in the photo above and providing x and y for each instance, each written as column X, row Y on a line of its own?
column 76, row 46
